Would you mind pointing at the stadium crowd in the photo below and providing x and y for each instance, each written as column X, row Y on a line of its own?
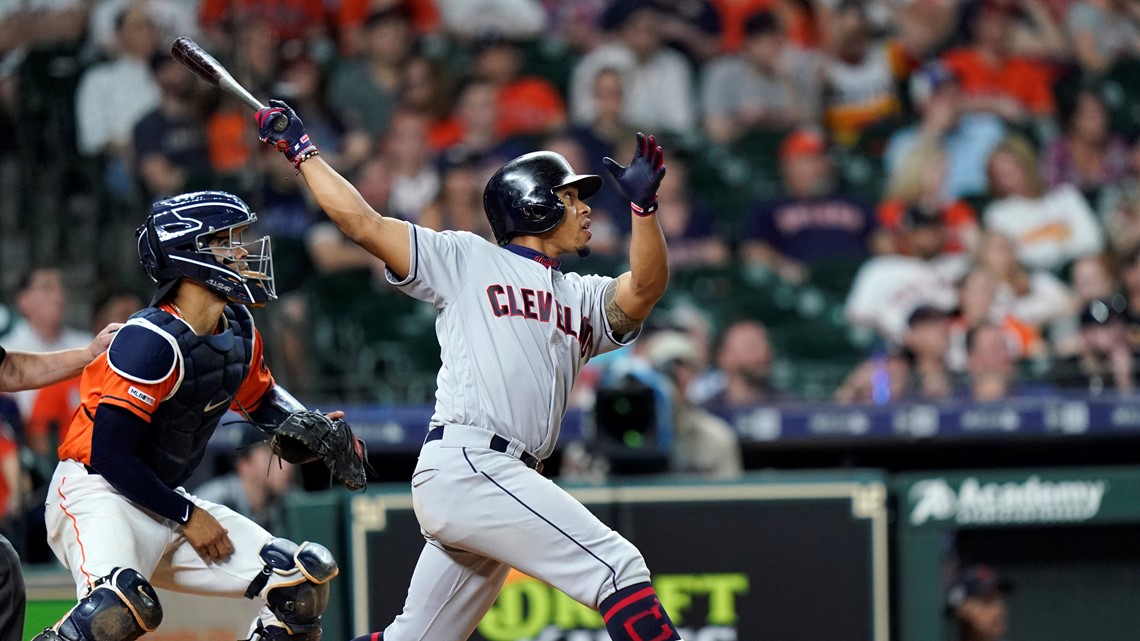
column 867, row 200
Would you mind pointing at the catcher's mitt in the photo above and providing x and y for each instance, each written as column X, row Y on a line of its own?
column 308, row 436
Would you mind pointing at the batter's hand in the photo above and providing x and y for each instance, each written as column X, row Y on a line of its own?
column 294, row 141
column 640, row 181
column 209, row 538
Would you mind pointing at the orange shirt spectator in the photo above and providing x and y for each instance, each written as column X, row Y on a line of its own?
column 9, row 471
column 288, row 19
column 227, row 137
column 529, row 106
column 51, row 415
column 423, row 13
column 959, row 218
column 1021, row 79
column 733, row 15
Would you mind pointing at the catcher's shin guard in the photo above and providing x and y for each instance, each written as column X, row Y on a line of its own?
column 121, row 607
column 295, row 587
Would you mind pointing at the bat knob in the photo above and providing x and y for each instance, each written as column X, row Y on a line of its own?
column 280, row 123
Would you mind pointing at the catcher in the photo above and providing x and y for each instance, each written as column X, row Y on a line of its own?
column 116, row 516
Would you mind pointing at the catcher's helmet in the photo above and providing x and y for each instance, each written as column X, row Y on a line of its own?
column 520, row 199
column 198, row 236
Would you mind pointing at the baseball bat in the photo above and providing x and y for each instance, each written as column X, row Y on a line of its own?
column 206, row 67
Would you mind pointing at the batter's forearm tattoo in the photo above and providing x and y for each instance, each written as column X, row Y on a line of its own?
column 620, row 322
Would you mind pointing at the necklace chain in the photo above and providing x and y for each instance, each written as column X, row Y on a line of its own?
column 177, row 310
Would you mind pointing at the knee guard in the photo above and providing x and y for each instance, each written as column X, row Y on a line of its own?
column 122, row 606
column 295, row 586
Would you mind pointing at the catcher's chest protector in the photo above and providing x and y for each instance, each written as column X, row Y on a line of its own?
column 215, row 367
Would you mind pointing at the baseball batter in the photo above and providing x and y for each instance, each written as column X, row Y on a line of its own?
column 116, row 516
column 514, row 332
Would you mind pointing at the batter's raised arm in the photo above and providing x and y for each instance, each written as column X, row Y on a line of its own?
column 385, row 238
column 631, row 297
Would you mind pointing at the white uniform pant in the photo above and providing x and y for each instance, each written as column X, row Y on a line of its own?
column 93, row 529
column 484, row 512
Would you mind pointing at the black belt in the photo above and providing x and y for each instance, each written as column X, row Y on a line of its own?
column 498, row 443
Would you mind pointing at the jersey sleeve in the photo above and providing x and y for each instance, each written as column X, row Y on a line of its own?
column 141, row 368
column 603, row 339
column 438, row 266
column 257, row 382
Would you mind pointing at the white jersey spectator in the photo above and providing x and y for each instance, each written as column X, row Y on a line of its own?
column 1050, row 230
column 657, row 81
column 888, row 288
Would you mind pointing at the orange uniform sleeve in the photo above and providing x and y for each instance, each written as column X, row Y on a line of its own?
column 101, row 384
column 257, row 382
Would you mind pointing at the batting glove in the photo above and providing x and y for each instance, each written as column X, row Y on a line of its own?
column 292, row 141
column 640, row 181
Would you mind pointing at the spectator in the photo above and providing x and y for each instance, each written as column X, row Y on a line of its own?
column 995, row 80
column 859, row 75
column 703, row 443
column 113, row 96
column 352, row 14
column 427, row 88
column 471, row 127
column 603, row 136
column 41, row 300
column 657, row 80
column 814, row 221
column 1105, row 360
column 925, row 345
column 888, row 288
column 990, row 364
column 459, row 202
column 1119, row 206
column 1130, row 278
column 258, row 484
column 366, row 90
column 691, row 27
column 39, row 24
column 415, row 179
column 1049, row 227
column 527, row 105
column 286, row 19
column 978, row 307
column 170, row 142
column 302, row 85
column 744, row 361
column 976, row 602
column 1035, row 29
column 1087, row 156
column 1035, row 297
column 767, row 85
column 1090, row 278
column 690, row 229
column 916, row 193
column 512, row 18
column 1102, row 32
column 967, row 138
column 171, row 19
column 881, row 378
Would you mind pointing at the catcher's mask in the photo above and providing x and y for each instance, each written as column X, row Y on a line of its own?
column 200, row 236
column 520, row 198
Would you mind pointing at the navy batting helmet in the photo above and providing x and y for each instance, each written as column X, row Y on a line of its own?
column 198, row 236
column 520, row 198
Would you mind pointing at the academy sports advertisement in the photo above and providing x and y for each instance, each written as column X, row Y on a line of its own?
column 730, row 563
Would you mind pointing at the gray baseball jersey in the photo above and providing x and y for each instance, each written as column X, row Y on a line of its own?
column 514, row 332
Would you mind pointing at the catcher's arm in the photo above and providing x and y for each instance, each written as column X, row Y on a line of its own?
column 299, row 435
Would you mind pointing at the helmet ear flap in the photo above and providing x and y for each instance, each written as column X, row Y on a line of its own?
column 161, row 263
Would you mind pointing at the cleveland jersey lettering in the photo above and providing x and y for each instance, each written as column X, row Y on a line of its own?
column 494, row 307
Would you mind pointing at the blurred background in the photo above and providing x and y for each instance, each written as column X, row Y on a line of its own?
column 904, row 234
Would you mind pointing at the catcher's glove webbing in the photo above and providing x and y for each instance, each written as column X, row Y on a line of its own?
column 309, row 436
